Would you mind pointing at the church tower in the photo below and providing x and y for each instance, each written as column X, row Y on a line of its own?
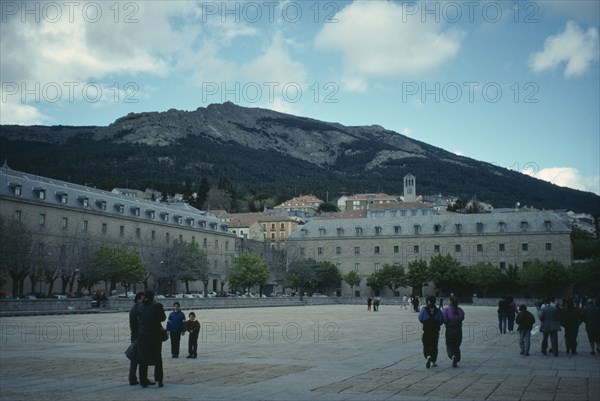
column 410, row 188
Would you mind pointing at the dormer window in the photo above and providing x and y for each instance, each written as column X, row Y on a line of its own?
column 190, row 221
column 84, row 201
column 178, row 219
column 120, row 207
column 397, row 229
column 340, row 231
column 358, row 230
column 151, row 213
column 524, row 225
column 40, row 192
column 213, row 226
column 135, row 210
column 437, row 228
column 417, row 228
column 378, row 230
column 16, row 188
column 547, row 225
column 202, row 223
column 303, row 232
column 62, row 197
column 502, row 226
column 165, row 216
column 479, row 227
column 101, row 204
column 322, row 232
column 458, row 228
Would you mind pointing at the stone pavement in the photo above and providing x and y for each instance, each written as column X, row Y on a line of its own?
column 329, row 352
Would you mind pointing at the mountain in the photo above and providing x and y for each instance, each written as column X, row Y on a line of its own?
column 256, row 151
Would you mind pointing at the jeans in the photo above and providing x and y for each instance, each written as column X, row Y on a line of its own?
column 502, row 318
column 525, row 340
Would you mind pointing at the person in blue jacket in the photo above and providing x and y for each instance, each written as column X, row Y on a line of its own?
column 176, row 328
column 432, row 319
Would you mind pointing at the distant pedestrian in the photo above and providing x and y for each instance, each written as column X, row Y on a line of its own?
column 453, row 318
column 591, row 317
column 570, row 319
column 525, row 320
column 405, row 302
column 512, row 313
column 441, row 303
column 134, row 327
column 502, row 315
column 369, row 303
column 432, row 319
column 192, row 326
column 415, row 303
column 376, row 303
column 176, row 328
column 550, row 326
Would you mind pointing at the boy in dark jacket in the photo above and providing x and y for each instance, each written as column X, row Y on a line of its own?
column 176, row 328
column 525, row 320
column 192, row 326
column 432, row 319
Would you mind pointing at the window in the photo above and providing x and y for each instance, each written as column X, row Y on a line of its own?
column 457, row 248
column 272, row 226
column 524, row 247
column 479, row 248
column 436, row 248
column 396, row 249
column 151, row 213
column 104, row 228
column 121, row 231
column 281, row 236
column 120, row 207
column 548, row 246
column 416, row 249
column 138, row 233
column 437, row 228
column 501, row 247
column 165, row 216
column 358, row 230
column 417, row 229
column 356, row 267
column 501, row 226
column 205, row 242
column 479, row 227
column 42, row 219
column 178, row 219
column 42, row 194
column 376, row 249
column 340, row 231
column 64, row 198
column 524, row 225
column 547, row 225
column 302, row 251
column 502, row 265
column 216, row 244
column 320, row 250
column 322, row 232
column 65, row 222
column 226, row 245
column 356, row 250
column 153, row 234
column 180, row 237
column 17, row 190
column 338, row 250
column 378, row 230
column 397, row 229
column 18, row 215
column 282, row 227
column 376, row 266
column 135, row 211
column 84, row 200
column 101, row 204
column 272, row 236
column 303, row 232
column 458, row 228
column 167, row 237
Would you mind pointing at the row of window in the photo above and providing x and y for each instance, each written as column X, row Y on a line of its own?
column 377, row 266
column 101, row 204
column 417, row 248
column 273, row 225
column 104, row 229
column 417, row 229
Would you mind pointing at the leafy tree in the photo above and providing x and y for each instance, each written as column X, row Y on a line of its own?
column 376, row 281
column 131, row 268
column 248, row 270
column 352, row 278
column 417, row 276
column 511, row 280
column 445, row 272
column 116, row 265
column 584, row 245
column 585, row 277
column 217, row 199
column 393, row 276
column 302, row 274
column 328, row 276
column 483, row 276
column 194, row 264
column 327, row 207
column 544, row 278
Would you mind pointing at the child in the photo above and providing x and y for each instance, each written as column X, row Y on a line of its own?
column 176, row 328
column 193, row 327
column 525, row 320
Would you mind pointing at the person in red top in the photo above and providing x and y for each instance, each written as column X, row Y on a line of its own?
column 453, row 318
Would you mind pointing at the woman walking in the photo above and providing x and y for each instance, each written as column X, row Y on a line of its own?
column 453, row 318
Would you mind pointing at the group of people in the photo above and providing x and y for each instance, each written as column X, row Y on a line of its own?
column 145, row 322
column 373, row 302
column 432, row 319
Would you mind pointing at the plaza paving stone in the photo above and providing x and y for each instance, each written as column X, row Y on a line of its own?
column 326, row 352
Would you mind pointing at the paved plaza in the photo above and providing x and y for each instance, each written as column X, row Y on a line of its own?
column 329, row 352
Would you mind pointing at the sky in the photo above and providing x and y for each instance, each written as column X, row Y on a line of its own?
column 512, row 83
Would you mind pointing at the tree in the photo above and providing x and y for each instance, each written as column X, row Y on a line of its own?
column 393, row 277
column 352, row 278
column 483, row 276
column 544, row 278
column 376, row 281
column 217, row 199
column 585, row 277
column 194, row 264
column 117, row 265
column 248, row 270
column 302, row 274
column 445, row 272
column 15, row 244
column 327, row 207
column 418, row 275
column 328, row 276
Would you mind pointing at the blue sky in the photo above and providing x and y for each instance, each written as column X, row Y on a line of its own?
column 513, row 83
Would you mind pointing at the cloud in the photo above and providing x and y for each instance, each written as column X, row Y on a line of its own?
column 22, row 114
column 567, row 177
column 573, row 47
column 377, row 39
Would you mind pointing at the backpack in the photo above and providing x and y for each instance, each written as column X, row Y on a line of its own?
column 431, row 324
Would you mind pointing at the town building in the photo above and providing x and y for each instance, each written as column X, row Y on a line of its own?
column 67, row 221
column 305, row 204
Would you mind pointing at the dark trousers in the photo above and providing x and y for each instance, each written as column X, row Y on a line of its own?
column 175, row 341
column 193, row 344
column 553, row 341
column 571, row 338
column 430, row 344
column 158, row 371
column 133, row 365
column 453, row 342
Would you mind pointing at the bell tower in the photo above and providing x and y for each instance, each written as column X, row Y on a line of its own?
column 410, row 188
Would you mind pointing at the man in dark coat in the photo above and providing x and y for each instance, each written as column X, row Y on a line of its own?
column 150, row 315
column 550, row 326
column 134, row 327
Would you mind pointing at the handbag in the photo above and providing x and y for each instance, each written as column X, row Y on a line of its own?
column 164, row 334
column 131, row 352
